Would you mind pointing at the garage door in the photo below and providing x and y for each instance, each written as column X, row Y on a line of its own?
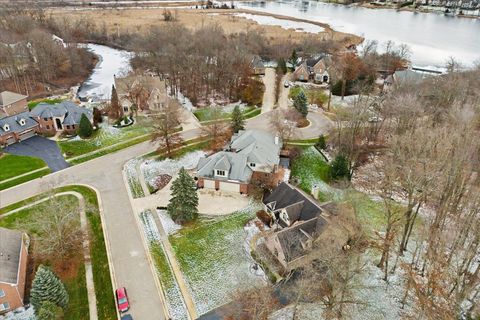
column 10, row 141
column 227, row 186
column 26, row 135
column 209, row 184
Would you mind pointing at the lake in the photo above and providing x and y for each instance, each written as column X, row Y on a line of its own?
column 432, row 38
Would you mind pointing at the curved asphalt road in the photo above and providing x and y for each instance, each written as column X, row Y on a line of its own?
column 129, row 259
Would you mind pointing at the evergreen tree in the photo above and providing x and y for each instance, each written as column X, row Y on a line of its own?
column 300, row 103
column 340, row 168
column 48, row 311
column 184, row 202
column 294, row 57
column 237, row 123
column 86, row 129
column 47, row 287
column 322, row 143
column 115, row 110
column 97, row 116
column 282, row 66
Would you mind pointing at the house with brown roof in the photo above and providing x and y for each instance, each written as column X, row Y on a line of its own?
column 13, row 269
column 12, row 103
column 313, row 69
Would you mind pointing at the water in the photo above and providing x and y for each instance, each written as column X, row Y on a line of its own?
column 111, row 62
column 432, row 38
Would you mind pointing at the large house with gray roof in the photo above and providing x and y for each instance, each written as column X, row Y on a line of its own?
column 249, row 153
column 12, row 103
column 13, row 269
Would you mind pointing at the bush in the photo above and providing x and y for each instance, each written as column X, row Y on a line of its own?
column 337, row 88
column 340, row 168
column 322, row 142
column 294, row 92
column 252, row 94
column 86, row 129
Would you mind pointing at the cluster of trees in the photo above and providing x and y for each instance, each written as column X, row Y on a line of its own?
column 31, row 59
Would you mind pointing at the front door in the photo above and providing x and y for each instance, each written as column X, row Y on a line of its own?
column 59, row 124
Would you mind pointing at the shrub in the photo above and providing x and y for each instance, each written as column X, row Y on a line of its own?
column 294, row 92
column 252, row 94
column 340, row 168
column 322, row 143
column 86, row 129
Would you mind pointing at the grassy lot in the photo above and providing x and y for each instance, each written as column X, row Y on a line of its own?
column 212, row 258
column 25, row 178
column 78, row 307
column 310, row 168
column 105, row 137
column 13, row 165
column 205, row 114
column 34, row 103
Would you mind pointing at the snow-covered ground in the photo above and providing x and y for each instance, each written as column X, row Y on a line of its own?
column 152, row 168
column 168, row 224
column 285, row 24
column 20, row 315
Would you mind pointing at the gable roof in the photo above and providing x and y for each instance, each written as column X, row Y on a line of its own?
column 14, row 123
column 285, row 196
column 257, row 145
column 8, row 97
column 10, row 249
column 257, row 62
column 67, row 109
column 235, row 164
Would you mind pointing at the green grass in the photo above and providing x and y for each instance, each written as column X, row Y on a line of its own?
column 78, row 308
column 106, row 137
column 312, row 141
column 34, row 103
column 310, row 168
column 23, row 179
column 13, row 165
column 205, row 114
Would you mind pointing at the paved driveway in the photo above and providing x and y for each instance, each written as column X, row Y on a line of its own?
column 269, row 94
column 42, row 148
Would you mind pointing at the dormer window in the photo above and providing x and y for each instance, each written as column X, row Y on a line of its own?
column 22, row 122
column 252, row 164
column 221, row 173
column 6, row 127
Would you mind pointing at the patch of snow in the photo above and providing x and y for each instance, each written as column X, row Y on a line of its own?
column 285, row 24
column 149, row 226
column 19, row 314
column 168, row 224
column 152, row 168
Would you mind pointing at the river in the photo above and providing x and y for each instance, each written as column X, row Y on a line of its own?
column 432, row 38
column 111, row 62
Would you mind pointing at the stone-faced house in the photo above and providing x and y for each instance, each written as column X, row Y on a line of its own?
column 299, row 220
column 17, row 128
column 257, row 66
column 148, row 93
column 250, row 154
column 60, row 117
column 13, row 268
column 313, row 69
column 12, row 103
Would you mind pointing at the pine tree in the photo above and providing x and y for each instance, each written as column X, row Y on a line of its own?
column 340, row 168
column 184, row 202
column 47, row 287
column 86, row 129
column 48, row 311
column 300, row 103
column 115, row 110
column 294, row 57
column 238, row 123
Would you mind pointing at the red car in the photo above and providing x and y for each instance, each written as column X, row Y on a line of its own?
column 122, row 299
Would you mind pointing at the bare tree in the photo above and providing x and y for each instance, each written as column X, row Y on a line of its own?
column 217, row 130
column 165, row 128
column 283, row 127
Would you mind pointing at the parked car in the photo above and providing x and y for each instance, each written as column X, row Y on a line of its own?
column 126, row 317
column 286, row 84
column 122, row 299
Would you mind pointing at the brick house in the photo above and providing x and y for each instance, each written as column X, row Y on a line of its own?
column 60, row 117
column 313, row 69
column 12, row 103
column 13, row 268
column 250, row 153
column 17, row 128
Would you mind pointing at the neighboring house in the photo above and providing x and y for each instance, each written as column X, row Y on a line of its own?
column 250, row 154
column 408, row 76
column 12, row 103
column 146, row 92
column 313, row 69
column 17, row 128
column 13, row 269
column 64, row 116
column 299, row 220
column 257, row 65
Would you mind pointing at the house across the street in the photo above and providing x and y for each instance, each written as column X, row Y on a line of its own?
column 13, row 268
column 12, row 103
column 251, row 154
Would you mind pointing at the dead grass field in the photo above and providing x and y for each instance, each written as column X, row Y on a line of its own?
column 140, row 20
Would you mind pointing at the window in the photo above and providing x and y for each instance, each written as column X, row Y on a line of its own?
column 221, row 173
column 252, row 164
column 125, row 109
column 48, row 127
column 45, row 119
column 4, row 307
column 73, row 126
column 2, row 293
column 68, row 126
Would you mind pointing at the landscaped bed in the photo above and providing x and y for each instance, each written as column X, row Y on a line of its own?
column 214, row 258
column 74, row 277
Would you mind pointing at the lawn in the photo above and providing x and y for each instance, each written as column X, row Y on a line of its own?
column 214, row 260
column 106, row 136
column 34, row 103
column 28, row 177
column 78, row 307
column 310, row 168
column 13, row 165
column 205, row 114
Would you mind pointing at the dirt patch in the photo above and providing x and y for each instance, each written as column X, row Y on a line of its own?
column 161, row 181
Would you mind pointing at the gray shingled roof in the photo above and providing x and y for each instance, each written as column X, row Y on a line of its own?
column 70, row 110
column 10, row 246
column 237, row 163
column 7, row 98
column 14, row 123
column 285, row 195
column 259, row 146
